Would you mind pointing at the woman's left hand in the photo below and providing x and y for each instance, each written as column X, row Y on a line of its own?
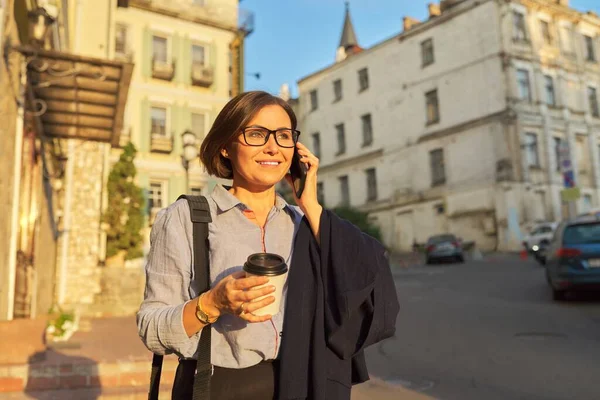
column 309, row 202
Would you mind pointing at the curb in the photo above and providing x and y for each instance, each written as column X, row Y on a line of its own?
column 48, row 377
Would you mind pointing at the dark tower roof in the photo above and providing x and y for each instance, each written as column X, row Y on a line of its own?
column 348, row 39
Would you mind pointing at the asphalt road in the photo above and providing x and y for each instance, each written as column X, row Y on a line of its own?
column 489, row 330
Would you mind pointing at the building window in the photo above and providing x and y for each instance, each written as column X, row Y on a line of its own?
column 531, row 150
column 159, row 49
column 427, row 52
column 557, row 150
column 199, row 125
column 314, row 100
column 433, row 108
column 546, row 34
column 586, row 202
column 363, row 79
column 341, row 138
column 337, row 90
column 371, row 184
column 344, row 190
column 198, row 55
column 438, row 169
column 316, row 144
column 367, row 129
column 156, row 194
column 590, row 54
column 523, row 83
column 121, row 39
column 566, row 40
column 320, row 193
column 549, row 88
column 593, row 100
column 519, row 27
column 196, row 191
column 158, row 116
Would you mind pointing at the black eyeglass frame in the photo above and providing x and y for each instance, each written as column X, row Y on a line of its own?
column 270, row 132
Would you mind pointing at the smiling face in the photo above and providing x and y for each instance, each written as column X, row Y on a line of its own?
column 261, row 167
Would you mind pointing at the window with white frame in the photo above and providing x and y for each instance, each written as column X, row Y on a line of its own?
column 546, row 33
column 367, row 130
column 371, row 176
column 314, row 100
column 586, row 200
column 566, row 40
column 341, row 138
column 156, row 195
column 432, row 107
column 558, row 143
column 590, row 53
column 316, row 144
column 160, row 48
column 158, row 121
column 363, row 79
column 427, row 55
column 549, row 90
column 337, row 90
column 524, row 85
column 519, row 27
column 344, row 190
column 593, row 101
column 199, row 125
column 198, row 55
column 121, row 39
column 531, row 149
column 437, row 167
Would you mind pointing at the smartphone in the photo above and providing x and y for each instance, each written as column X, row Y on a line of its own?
column 298, row 171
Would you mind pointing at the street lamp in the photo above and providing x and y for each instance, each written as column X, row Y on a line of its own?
column 190, row 152
column 39, row 22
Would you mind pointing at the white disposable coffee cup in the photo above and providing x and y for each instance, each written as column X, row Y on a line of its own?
column 273, row 267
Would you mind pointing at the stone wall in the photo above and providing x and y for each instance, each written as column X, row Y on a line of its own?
column 78, row 270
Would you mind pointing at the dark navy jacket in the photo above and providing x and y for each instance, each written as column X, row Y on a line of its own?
column 341, row 298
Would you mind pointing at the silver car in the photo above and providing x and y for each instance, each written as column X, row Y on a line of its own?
column 444, row 247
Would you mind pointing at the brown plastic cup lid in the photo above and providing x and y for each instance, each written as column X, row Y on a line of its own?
column 265, row 264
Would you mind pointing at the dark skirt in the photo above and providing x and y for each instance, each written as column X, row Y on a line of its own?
column 253, row 383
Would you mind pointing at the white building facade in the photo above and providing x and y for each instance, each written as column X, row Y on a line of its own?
column 455, row 124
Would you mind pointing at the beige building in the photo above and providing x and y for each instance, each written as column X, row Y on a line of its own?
column 189, row 62
column 455, row 124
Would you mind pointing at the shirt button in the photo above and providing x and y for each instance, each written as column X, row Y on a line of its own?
column 280, row 334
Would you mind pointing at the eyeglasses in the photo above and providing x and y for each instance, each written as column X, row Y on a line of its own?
column 259, row 136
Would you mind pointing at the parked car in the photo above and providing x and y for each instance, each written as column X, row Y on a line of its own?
column 573, row 257
column 539, row 238
column 443, row 247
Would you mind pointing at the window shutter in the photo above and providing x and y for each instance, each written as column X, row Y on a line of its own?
column 144, row 134
column 147, row 53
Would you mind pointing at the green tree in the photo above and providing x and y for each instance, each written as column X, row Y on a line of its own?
column 358, row 218
column 124, row 215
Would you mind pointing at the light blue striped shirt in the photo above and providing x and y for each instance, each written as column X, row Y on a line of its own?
column 169, row 271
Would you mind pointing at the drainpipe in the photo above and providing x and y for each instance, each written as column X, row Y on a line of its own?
column 66, row 230
column 12, row 262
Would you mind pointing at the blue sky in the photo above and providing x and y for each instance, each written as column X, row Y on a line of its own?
column 293, row 38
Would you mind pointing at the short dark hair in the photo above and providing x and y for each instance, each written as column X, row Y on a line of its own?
column 236, row 114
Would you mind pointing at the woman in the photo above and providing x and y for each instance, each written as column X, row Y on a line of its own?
column 252, row 142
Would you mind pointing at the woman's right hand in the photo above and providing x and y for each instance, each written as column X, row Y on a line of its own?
column 235, row 293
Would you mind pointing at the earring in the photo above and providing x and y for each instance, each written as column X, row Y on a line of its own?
column 224, row 153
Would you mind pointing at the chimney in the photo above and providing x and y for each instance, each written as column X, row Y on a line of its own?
column 434, row 10
column 409, row 22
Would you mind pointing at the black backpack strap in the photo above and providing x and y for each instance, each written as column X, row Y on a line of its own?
column 200, row 213
column 200, row 216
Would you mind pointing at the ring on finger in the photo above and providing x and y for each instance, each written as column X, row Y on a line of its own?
column 241, row 310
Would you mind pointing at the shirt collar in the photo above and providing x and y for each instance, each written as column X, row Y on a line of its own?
column 226, row 201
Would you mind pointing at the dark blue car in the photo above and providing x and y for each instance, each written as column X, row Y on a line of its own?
column 573, row 257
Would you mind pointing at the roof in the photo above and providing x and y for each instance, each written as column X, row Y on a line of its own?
column 348, row 38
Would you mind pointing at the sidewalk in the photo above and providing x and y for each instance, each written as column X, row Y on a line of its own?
column 105, row 359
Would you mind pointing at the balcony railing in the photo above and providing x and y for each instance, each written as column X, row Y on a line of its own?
column 202, row 75
column 161, row 143
column 163, row 70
